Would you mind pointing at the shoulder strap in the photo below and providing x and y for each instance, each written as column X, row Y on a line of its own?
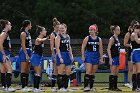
column 97, row 38
column 114, row 39
column 54, row 34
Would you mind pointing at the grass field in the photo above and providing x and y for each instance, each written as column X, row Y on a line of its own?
column 100, row 77
column 100, row 87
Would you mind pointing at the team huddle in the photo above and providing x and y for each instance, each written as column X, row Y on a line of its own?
column 62, row 57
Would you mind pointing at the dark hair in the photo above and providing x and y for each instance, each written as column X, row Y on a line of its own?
column 137, row 27
column 129, row 28
column 113, row 27
column 25, row 23
column 39, row 29
column 3, row 24
column 134, row 22
column 55, row 22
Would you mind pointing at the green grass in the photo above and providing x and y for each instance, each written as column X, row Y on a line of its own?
column 101, row 87
column 103, row 77
column 99, row 77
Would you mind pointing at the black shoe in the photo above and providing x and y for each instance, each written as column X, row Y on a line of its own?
column 134, row 89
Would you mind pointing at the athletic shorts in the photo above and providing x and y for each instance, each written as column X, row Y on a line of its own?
column 92, row 57
column 7, row 55
column 22, row 56
column 135, row 56
column 65, row 57
column 116, row 61
column 36, row 60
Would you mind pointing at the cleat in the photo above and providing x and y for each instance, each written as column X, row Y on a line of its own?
column 38, row 90
column 53, row 89
column 10, row 89
column 86, row 89
column 26, row 89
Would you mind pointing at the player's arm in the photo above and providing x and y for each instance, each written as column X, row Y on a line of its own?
column 126, row 39
column 23, row 41
column 70, row 51
column 101, row 50
column 57, row 45
column 83, row 47
column 136, row 38
column 2, row 38
column 52, row 41
column 41, row 39
column 111, row 41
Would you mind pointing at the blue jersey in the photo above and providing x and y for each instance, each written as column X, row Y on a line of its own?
column 64, row 51
column 38, row 49
column 64, row 43
column 92, row 51
column 28, row 42
column 6, row 46
column 115, row 48
column 92, row 44
column 7, row 43
column 135, row 55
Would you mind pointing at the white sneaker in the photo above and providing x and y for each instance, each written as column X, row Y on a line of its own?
column 10, row 89
column 128, row 85
column 18, row 87
column 69, row 90
column 53, row 89
column 26, row 89
column 86, row 89
column 138, row 89
column 62, row 90
column 4, row 88
column 38, row 90
column 93, row 89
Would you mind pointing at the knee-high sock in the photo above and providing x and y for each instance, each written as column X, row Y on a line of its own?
column 53, row 80
column 27, row 79
column 86, row 80
column 115, row 82
column 8, row 79
column 138, row 80
column 23, row 79
column 59, row 81
column 111, row 82
column 134, row 81
column 3, row 79
column 36, row 81
column 92, row 77
column 66, row 80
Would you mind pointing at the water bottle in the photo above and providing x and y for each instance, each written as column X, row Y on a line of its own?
column 45, row 64
column 14, row 65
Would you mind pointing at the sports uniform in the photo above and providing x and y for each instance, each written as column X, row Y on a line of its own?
column 64, row 51
column 28, row 44
column 92, row 51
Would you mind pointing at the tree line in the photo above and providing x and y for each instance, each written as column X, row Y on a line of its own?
column 77, row 14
